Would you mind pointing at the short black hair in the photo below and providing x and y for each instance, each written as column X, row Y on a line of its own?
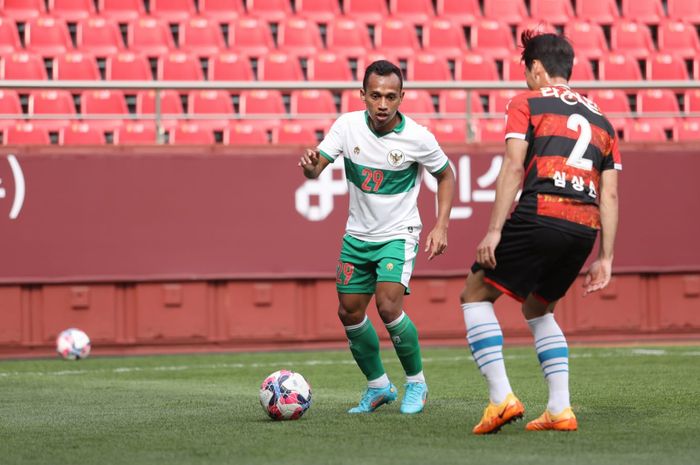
column 382, row 68
column 554, row 51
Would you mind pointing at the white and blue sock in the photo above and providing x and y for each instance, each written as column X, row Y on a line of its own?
column 486, row 344
column 553, row 353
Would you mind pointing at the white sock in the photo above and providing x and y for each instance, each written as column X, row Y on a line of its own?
column 553, row 354
column 417, row 378
column 486, row 344
column 381, row 382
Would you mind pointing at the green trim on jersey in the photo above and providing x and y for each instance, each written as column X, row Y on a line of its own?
column 444, row 167
column 391, row 182
column 397, row 129
column 326, row 156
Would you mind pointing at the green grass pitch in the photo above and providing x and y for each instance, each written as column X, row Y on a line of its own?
column 635, row 405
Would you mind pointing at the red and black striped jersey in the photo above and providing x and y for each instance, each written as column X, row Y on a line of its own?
column 570, row 143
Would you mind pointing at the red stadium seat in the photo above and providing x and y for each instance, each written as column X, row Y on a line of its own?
column 26, row 134
column 364, row 61
column 498, row 99
column 679, row 38
column 278, row 66
column 23, row 10
column 178, row 66
column 445, row 37
column 685, row 10
column 367, row 11
column 272, row 11
column 230, row 66
column 449, row 130
column 261, row 102
column 687, row 130
column 99, row 36
column 9, row 38
column 582, row 70
column 619, row 67
column 492, row 38
column 691, row 99
column 75, row 66
column 47, row 36
column 202, row 37
column 222, row 11
column 173, row 11
column 22, row 65
column 490, row 130
column 245, row 133
column 507, row 11
column 127, row 66
column 122, row 11
column 251, row 36
column 587, row 39
column 658, row 101
column 328, row 66
column 396, row 37
column 463, row 12
column 514, row 69
column 614, row 103
column 426, row 66
column 136, row 132
column 294, row 132
column 644, row 131
column 533, row 25
column 170, row 105
column 215, row 103
column 454, row 102
column 72, row 10
column 191, row 134
column 312, row 101
column 552, row 11
column 412, row 11
column 348, row 36
column 150, row 36
column 597, row 11
column 644, row 11
column 320, row 11
column 9, row 102
column 476, row 67
column 299, row 36
column 350, row 101
column 631, row 38
column 51, row 102
column 106, row 103
column 417, row 104
column 666, row 66
column 81, row 134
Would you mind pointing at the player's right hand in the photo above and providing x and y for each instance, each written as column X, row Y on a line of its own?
column 486, row 250
column 309, row 160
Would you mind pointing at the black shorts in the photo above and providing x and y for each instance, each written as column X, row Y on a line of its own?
column 536, row 259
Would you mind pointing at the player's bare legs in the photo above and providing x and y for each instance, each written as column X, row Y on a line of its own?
column 486, row 344
column 553, row 354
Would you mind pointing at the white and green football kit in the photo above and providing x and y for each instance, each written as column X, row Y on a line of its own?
column 384, row 175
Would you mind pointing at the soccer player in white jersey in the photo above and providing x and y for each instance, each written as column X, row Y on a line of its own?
column 384, row 152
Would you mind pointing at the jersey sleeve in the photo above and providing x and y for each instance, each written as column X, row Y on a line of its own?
column 433, row 159
column 517, row 117
column 332, row 144
column 613, row 159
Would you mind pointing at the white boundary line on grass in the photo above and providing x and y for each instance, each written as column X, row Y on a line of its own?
column 459, row 358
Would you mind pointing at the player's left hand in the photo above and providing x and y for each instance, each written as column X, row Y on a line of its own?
column 598, row 276
column 437, row 242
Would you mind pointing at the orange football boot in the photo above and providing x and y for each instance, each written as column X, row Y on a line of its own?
column 565, row 421
column 496, row 416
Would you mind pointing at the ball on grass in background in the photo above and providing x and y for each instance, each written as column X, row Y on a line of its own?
column 285, row 395
column 73, row 344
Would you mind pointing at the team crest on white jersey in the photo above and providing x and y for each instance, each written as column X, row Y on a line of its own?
column 396, row 157
column 356, row 150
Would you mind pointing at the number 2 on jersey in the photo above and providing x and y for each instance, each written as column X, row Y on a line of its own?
column 372, row 176
column 577, row 122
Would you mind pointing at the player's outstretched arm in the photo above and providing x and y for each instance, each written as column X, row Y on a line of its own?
column 437, row 238
column 312, row 163
column 507, row 184
column 600, row 272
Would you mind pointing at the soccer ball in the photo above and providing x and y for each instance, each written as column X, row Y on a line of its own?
column 285, row 395
column 73, row 344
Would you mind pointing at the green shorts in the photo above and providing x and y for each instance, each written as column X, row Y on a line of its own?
column 362, row 264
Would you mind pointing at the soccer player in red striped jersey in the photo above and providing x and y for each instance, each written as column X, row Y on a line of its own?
column 564, row 154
